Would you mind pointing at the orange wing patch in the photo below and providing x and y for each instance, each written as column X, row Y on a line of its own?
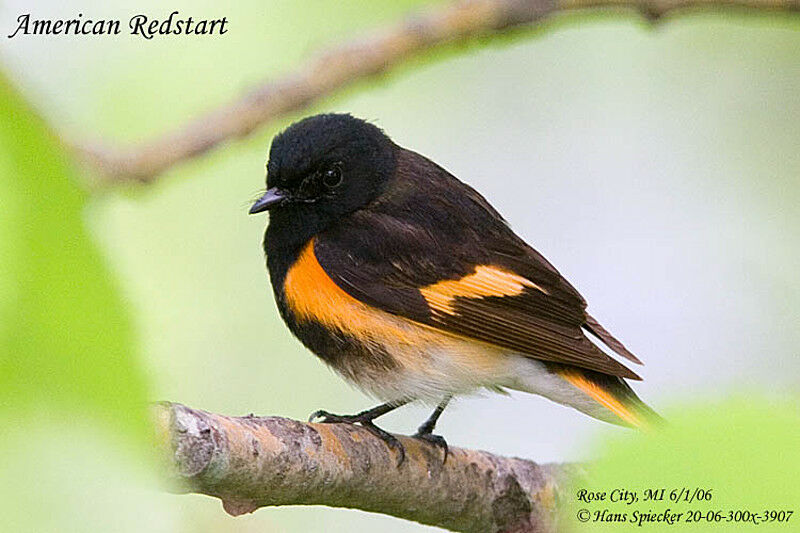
column 487, row 280
column 603, row 397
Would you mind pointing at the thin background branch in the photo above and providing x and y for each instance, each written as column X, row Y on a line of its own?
column 359, row 59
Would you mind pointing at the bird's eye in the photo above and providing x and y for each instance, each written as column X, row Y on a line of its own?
column 332, row 177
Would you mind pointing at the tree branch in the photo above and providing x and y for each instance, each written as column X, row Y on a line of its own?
column 251, row 462
column 353, row 61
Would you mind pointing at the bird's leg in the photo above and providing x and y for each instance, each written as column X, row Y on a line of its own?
column 365, row 420
column 425, row 431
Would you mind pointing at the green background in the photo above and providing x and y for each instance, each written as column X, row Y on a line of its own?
column 657, row 167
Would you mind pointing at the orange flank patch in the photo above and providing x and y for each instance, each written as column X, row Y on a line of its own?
column 486, row 281
column 313, row 295
column 602, row 396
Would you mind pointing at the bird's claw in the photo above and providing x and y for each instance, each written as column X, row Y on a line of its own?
column 330, row 418
column 392, row 442
column 436, row 440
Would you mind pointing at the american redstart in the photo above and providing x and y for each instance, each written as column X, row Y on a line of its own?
column 411, row 286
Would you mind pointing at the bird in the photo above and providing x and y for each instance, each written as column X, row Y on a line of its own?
column 412, row 287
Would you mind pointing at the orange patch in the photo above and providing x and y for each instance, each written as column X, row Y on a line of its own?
column 602, row 396
column 313, row 295
column 486, row 281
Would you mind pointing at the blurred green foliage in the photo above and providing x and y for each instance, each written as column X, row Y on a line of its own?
column 67, row 345
column 742, row 454
column 72, row 397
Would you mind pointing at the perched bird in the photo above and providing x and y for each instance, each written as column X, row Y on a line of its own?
column 411, row 286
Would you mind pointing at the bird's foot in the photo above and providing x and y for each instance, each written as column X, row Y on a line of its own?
column 364, row 420
column 436, row 440
column 329, row 418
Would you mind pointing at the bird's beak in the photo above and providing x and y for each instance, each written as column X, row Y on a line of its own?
column 272, row 198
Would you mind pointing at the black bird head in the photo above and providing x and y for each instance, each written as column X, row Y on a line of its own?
column 323, row 168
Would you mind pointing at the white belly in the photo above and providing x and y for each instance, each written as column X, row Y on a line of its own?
column 449, row 365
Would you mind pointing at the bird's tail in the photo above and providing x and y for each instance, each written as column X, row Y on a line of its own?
column 614, row 395
column 602, row 396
